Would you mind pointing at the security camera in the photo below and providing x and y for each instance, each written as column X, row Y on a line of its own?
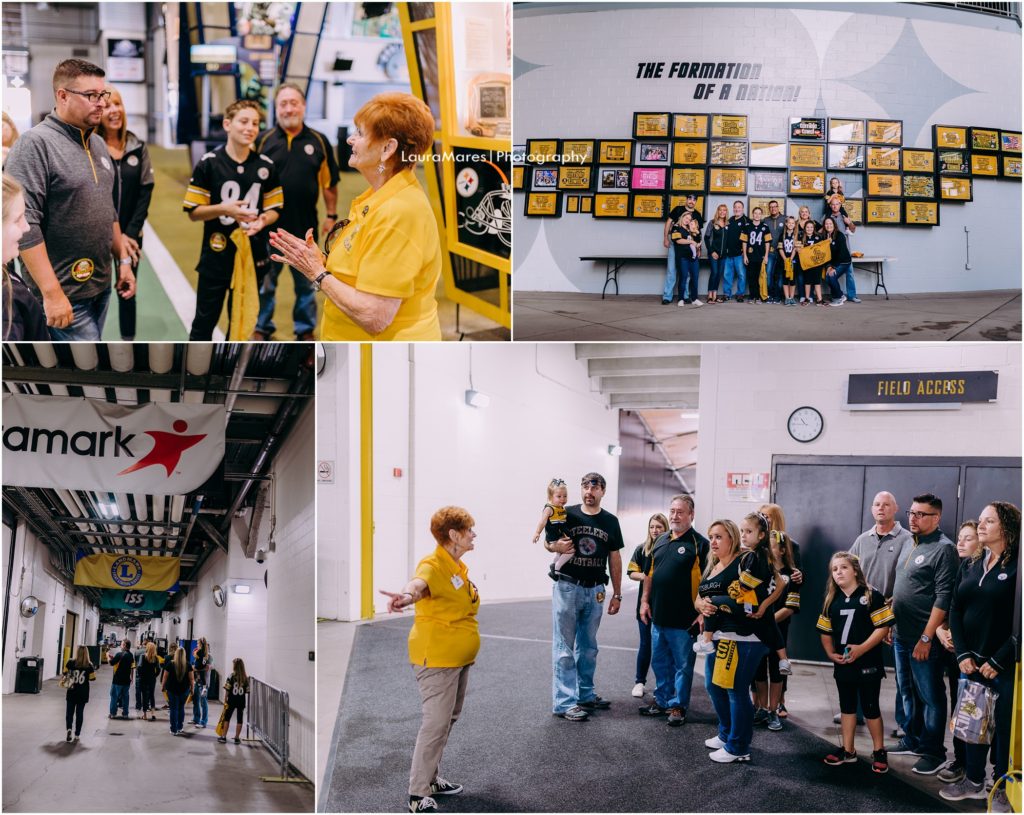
column 261, row 555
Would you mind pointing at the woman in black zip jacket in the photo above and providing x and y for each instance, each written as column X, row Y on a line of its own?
column 714, row 238
column 840, row 255
column 984, row 641
column 133, row 189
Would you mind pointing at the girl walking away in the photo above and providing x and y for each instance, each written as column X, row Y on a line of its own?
column 854, row 620
column 638, row 567
column 201, row 661
column 78, row 673
column 177, row 684
column 148, row 671
column 237, row 687
column 552, row 521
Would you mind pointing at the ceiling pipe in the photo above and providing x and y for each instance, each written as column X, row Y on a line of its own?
column 122, row 356
column 197, row 358
column 85, row 355
column 45, row 354
column 237, row 377
column 161, row 357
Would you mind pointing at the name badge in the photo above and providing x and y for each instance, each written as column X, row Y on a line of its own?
column 458, row 582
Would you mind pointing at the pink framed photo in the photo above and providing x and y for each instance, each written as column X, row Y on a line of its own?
column 649, row 178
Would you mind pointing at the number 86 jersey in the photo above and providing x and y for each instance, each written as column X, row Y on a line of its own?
column 217, row 179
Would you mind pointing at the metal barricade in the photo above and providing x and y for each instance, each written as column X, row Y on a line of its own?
column 268, row 720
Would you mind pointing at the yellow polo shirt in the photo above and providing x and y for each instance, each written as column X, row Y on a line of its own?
column 390, row 248
column 444, row 633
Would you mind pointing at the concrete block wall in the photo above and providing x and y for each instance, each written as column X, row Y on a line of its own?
column 575, row 77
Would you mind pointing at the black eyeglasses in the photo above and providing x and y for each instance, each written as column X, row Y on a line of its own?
column 331, row 236
column 92, row 96
column 918, row 515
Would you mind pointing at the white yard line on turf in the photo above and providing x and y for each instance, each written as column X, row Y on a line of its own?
column 174, row 282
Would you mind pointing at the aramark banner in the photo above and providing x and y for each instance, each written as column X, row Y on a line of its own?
column 137, row 572
column 86, row 444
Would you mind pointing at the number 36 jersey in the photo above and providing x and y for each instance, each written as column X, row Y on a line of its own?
column 217, row 179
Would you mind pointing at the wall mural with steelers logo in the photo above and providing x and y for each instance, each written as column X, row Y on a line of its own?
column 484, row 202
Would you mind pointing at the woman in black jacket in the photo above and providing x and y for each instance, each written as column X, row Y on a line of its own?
column 133, row 189
column 984, row 642
column 78, row 673
column 840, row 255
column 714, row 237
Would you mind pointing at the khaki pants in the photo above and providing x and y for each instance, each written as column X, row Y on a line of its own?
column 442, row 691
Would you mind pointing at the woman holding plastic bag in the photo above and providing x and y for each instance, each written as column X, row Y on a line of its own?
column 987, row 649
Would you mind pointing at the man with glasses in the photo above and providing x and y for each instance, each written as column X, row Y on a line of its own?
column 593, row 537
column 307, row 167
column 922, row 591
column 73, row 234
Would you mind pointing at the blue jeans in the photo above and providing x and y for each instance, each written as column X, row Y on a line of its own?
column 715, row 276
column 643, row 654
column 87, row 320
column 976, row 755
column 923, row 691
column 176, row 709
column 670, row 274
column 735, row 270
column 851, row 285
column 734, row 708
column 200, row 707
column 575, row 617
column 687, row 268
column 774, row 271
column 304, row 310
column 119, row 699
column 672, row 657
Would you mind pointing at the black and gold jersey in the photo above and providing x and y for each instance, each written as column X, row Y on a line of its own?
column 852, row 620
column 217, row 179
column 305, row 164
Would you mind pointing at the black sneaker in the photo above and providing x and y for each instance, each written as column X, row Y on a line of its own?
column 597, row 703
column 879, row 762
column 929, row 765
column 573, row 714
column 903, row 749
column 676, row 717
column 68, row 736
column 418, row 804
column 687, row 302
column 840, row 756
column 739, row 298
column 653, row 710
column 665, row 302
column 443, row 787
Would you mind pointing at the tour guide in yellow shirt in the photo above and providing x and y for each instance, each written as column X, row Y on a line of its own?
column 443, row 643
column 383, row 262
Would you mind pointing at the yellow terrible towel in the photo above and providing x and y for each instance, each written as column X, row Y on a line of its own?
column 245, row 292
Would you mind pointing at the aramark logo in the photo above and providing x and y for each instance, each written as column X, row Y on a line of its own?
column 167, row 448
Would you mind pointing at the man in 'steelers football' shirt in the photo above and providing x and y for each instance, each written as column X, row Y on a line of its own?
column 594, row 538
column 231, row 187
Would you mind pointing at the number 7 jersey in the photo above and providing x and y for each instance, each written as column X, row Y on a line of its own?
column 852, row 620
column 217, row 179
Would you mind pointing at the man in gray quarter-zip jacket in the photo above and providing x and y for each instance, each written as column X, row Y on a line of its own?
column 68, row 179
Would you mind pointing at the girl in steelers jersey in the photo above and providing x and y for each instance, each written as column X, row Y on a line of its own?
column 232, row 187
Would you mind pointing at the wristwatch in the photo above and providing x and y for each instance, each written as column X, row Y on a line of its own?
column 332, row 215
column 617, row 597
column 925, row 638
column 125, row 261
column 318, row 280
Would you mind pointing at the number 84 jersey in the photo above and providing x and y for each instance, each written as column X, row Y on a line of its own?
column 217, row 179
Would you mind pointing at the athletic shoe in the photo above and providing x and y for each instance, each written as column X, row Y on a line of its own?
column 237, row 740
column 853, row 300
column 77, row 737
column 785, row 668
column 714, row 743
column 774, row 722
column 597, row 703
column 783, row 713
column 653, row 709
column 840, row 756
column 222, row 739
column 676, row 717
column 962, row 789
column 68, row 738
column 951, row 773
column 897, row 734
column 929, row 765
column 804, row 302
column 442, row 787
column 901, row 748
column 739, row 298
column 761, row 716
column 1000, row 803
column 837, row 303
column 697, row 303
column 638, row 690
column 574, row 714
column 723, row 756
column 417, row 804
column 666, row 302
column 879, row 762
column 702, row 646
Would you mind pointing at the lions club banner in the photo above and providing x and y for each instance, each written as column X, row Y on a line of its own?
column 138, row 572
column 86, row 444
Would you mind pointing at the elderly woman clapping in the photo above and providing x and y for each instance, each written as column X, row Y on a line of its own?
column 383, row 261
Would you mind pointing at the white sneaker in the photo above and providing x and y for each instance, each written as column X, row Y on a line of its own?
column 723, row 756
column 785, row 668
column 697, row 303
column 638, row 690
column 702, row 646
column 714, row 743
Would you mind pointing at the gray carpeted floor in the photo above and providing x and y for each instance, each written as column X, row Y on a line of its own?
column 512, row 755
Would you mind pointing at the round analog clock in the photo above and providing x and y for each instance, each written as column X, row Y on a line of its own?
column 805, row 424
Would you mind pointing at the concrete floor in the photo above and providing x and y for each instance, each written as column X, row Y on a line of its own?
column 812, row 701
column 132, row 765
column 573, row 316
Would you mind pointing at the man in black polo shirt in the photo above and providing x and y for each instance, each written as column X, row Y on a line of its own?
column 593, row 536
column 307, row 167
column 677, row 562
column 124, row 664
column 735, row 270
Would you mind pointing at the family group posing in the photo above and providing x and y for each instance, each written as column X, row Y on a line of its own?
column 759, row 255
column 729, row 597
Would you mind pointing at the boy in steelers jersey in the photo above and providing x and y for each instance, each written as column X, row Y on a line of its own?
column 232, row 187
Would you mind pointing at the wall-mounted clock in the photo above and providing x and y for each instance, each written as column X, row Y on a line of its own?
column 805, row 424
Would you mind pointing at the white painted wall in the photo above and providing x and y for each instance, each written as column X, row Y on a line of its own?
column 32, row 575
column 917, row 63
column 749, row 391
